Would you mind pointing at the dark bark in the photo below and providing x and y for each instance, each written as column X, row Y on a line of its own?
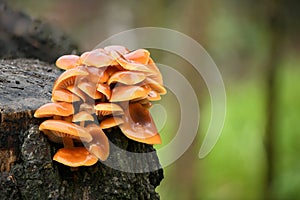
column 24, row 37
column 26, row 167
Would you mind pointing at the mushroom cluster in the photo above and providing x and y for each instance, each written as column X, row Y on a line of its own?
column 101, row 89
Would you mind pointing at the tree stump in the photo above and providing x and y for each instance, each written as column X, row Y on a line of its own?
column 27, row 170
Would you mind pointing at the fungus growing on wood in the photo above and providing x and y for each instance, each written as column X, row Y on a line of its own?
column 111, row 85
column 75, row 157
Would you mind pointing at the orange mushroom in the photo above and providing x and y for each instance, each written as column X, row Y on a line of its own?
column 64, row 95
column 97, row 58
column 99, row 146
column 67, row 61
column 127, row 77
column 51, row 109
column 104, row 89
column 128, row 92
column 89, row 89
column 82, row 116
column 139, row 126
column 68, row 78
column 111, row 122
column 108, row 109
column 75, row 157
column 139, row 56
column 66, row 130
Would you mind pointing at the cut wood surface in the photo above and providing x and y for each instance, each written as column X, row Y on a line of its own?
column 27, row 170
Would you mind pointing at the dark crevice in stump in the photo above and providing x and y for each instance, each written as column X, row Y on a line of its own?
column 26, row 167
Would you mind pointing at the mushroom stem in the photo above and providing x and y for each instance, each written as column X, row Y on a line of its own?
column 68, row 142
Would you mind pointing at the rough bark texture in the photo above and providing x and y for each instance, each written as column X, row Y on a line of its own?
column 24, row 37
column 26, row 167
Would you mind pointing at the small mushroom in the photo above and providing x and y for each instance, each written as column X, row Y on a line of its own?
column 97, row 58
column 75, row 157
column 139, row 56
column 108, row 109
column 116, row 48
column 133, row 66
column 139, row 126
column 64, row 95
column 82, row 116
column 156, row 75
column 104, row 89
column 155, row 86
column 51, row 109
column 89, row 89
column 128, row 92
column 78, row 92
column 127, row 77
column 111, row 122
column 68, row 78
column 99, row 146
column 66, row 130
column 67, row 62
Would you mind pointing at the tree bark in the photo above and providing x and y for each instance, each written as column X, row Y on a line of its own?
column 27, row 170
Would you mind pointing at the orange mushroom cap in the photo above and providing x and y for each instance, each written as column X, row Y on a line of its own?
column 127, row 77
column 128, row 92
column 104, row 89
column 155, row 86
column 64, row 95
column 68, row 78
column 75, row 157
column 99, row 146
column 111, row 122
column 89, row 89
column 78, row 92
column 82, row 116
column 116, row 49
column 138, row 56
column 67, row 61
column 108, row 108
column 50, row 109
column 139, row 126
column 97, row 58
column 65, row 129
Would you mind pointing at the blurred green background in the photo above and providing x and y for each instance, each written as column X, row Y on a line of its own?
column 255, row 44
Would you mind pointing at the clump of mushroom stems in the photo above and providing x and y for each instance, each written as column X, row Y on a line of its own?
column 99, row 90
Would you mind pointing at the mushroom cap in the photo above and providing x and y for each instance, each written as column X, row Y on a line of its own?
column 87, row 107
column 68, row 78
column 133, row 66
column 89, row 89
column 108, row 108
column 104, row 89
column 97, row 75
column 99, row 146
column 75, row 157
column 138, row 56
column 156, row 75
column 67, row 61
column 111, row 122
column 78, row 92
column 64, row 95
column 82, row 116
column 155, row 86
column 139, row 125
column 127, row 77
column 97, row 58
column 128, row 92
column 65, row 129
column 50, row 109
column 116, row 49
